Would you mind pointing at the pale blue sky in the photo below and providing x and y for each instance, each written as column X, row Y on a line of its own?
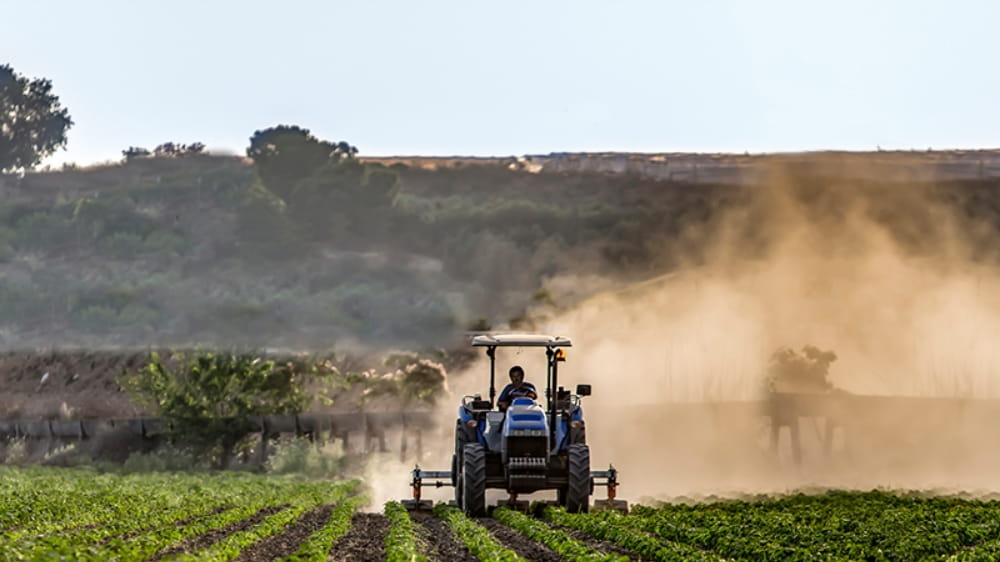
column 511, row 78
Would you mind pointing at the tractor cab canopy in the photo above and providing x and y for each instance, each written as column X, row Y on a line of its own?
column 554, row 356
column 520, row 340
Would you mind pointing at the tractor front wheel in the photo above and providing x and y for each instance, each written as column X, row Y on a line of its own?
column 576, row 498
column 456, row 479
column 473, row 483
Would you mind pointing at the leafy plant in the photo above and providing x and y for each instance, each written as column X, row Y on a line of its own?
column 474, row 536
column 400, row 542
column 209, row 399
column 318, row 545
column 299, row 456
column 556, row 539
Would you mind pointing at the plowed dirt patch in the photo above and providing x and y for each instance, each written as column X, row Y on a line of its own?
column 440, row 540
column 365, row 542
column 195, row 544
column 283, row 544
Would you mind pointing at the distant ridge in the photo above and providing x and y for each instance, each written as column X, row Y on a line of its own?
column 732, row 168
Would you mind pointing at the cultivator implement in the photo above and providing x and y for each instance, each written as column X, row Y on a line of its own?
column 441, row 478
column 421, row 478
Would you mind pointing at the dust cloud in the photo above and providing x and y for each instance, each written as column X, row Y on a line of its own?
column 879, row 264
column 876, row 264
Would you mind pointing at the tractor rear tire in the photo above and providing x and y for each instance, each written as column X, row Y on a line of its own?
column 474, row 480
column 579, row 484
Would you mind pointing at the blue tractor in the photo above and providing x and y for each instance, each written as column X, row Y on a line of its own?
column 529, row 447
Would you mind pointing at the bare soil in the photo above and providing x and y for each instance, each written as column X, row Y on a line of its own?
column 286, row 543
column 195, row 544
column 365, row 542
column 439, row 539
column 522, row 545
column 66, row 384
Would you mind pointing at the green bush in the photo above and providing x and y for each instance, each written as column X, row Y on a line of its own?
column 299, row 456
column 44, row 231
column 138, row 315
column 166, row 458
column 164, row 242
column 264, row 229
column 121, row 245
column 101, row 319
column 209, row 398
column 20, row 303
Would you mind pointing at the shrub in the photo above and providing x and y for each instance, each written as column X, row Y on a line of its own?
column 165, row 458
column 209, row 398
column 299, row 456
column 138, row 315
column 121, row 245
column 44, row 231
column 163, row 242
column 96, row 318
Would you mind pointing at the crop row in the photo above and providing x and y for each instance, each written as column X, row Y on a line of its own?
column 400, row 542
column 83, row 514
column 831, row 526
column 474, row 536
column 319, row 543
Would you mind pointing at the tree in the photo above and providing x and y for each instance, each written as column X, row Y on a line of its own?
column 286, row 154
column 133, row 152
column 33, row 124
column 209, row 399
column 803, row 371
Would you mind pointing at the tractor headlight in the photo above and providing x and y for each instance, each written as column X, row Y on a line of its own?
column 576, row 424
column 471, row 423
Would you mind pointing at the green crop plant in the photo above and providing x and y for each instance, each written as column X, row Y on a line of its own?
column 559, row 541
column 474, row 536
column 319, row 543
column 607, row 526
column 400, row 542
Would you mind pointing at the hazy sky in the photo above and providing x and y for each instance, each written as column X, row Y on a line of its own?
column 510, row 78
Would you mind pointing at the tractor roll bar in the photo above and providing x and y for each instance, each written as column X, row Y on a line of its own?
column 492, row 341
column 492, row 352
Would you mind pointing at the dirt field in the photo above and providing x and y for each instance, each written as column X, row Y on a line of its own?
column 70, row 384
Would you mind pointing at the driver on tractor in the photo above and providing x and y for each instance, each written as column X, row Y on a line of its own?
column 516, row 389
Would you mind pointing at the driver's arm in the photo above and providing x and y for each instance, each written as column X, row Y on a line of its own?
column 530, row 391
column 504, row 399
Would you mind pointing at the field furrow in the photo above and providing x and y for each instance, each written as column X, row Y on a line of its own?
column 318, row 545
column 560, row 542
column 441, row 541
column 365, row 541
column 212, row 536
column 526, row 548
column 599, row 544
column 288, row 541
column 478, row 539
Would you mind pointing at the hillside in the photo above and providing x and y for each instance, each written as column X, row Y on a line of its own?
column 100, row 265
column 194, row 250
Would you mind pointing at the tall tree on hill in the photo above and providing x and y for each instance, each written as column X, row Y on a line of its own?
column 33, row 123
column 286, row 154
